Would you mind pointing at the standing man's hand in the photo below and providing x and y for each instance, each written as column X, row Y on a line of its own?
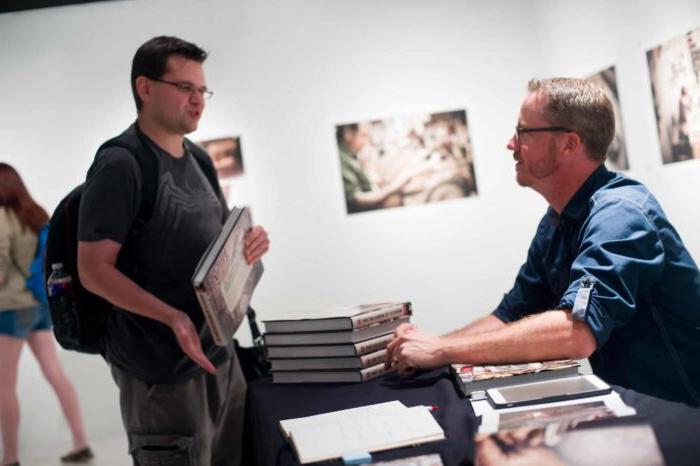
column 256, row 244
column 413, row 349
column 188, row 339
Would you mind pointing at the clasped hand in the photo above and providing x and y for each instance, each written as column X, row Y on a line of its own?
column 413, row 349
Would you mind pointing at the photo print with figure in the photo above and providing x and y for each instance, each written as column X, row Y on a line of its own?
column 674, row 69
column 616, row 157
column 227, row 156
column 404, row 161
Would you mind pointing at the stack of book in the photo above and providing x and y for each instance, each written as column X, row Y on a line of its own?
column 338, row 345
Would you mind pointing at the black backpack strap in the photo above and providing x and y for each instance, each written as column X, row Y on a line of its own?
column 207, row 167
column 134, row 141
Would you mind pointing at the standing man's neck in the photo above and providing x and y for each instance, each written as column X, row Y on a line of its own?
column 172, row 143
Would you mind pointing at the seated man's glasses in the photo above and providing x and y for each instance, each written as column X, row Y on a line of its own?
column 520, row 130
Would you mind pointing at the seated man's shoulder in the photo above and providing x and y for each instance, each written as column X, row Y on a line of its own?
column 625, row 193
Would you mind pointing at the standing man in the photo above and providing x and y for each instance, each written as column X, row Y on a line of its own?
column 607, row 277
column 181, row 397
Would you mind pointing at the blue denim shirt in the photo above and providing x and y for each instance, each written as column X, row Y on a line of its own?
column 643, row 303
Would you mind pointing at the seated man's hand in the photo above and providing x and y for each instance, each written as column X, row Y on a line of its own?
column 413, row 349
column 256, row 244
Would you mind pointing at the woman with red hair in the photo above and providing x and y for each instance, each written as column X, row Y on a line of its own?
column 23, row 318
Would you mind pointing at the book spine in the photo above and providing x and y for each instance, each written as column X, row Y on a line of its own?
column 205, row 302
column 380, row 315
column 372, row 359
column 373, row 372
column 375, row 344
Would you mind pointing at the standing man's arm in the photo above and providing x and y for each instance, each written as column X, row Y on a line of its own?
column 98, row 273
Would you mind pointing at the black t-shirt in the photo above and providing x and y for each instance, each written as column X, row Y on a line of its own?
column 186, row 216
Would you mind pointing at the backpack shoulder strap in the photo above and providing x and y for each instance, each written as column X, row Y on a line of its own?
column 135, row 143
column 207, row 166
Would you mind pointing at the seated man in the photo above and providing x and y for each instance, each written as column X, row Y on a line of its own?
column 607, row 277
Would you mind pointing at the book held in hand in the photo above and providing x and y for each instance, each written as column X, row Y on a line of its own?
column 223, row 281
column 470, row 378
column 340, row 318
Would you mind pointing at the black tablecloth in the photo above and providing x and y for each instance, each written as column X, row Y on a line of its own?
column 677, row 426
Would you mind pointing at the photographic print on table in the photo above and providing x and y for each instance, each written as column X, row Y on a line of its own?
column 674, row 69
column 228, row 160
column 616, row 158
column 404, row 161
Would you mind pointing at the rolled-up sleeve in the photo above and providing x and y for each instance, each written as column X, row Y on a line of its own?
column 621, row 256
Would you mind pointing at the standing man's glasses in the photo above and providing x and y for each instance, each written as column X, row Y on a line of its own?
column 520, row 130
column 187, row 87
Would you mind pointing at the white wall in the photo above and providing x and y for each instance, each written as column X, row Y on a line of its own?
column 285, row 72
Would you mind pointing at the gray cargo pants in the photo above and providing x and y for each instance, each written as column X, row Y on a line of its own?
column 198, row 422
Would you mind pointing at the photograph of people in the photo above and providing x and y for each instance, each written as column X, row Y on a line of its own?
column 675, row 84
column 405, row 161
column 616, row 158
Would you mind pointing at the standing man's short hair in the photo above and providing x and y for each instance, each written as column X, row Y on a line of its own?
column 581, row 106
column 151, row 59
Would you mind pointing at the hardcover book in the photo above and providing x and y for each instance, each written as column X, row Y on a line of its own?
column 470, row 378
column 223, row 281
column 330, row 351
column 341, row 318
column 352, row 362
column 330, row 376
column 370, row 428
column 623, row 441
column 325, row 338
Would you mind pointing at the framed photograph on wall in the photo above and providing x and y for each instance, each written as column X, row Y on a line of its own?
column 674, row 69
column 227, row 156
column 616, row 158
column 404, row 161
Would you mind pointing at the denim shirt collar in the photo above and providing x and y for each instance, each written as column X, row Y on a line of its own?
column 577, row 208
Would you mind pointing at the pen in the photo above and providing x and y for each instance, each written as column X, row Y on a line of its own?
column 430, row 408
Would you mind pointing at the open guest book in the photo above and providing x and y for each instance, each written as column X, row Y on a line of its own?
column 370, row 428
column 224, row 281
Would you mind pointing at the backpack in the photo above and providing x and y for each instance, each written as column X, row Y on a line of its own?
column 82, row 326
column 35, row 280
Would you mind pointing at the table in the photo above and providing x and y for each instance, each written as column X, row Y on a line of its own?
column 677, row 426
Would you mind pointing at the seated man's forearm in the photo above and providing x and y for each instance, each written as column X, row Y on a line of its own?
column 485, row 324
column 546, row 336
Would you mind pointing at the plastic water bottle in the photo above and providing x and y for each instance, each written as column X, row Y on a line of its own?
column 59, row 284
column 62, row 305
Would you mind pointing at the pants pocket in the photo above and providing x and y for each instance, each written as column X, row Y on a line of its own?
column 163, row 450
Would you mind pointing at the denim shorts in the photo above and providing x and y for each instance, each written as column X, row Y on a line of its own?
column 21, row 322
